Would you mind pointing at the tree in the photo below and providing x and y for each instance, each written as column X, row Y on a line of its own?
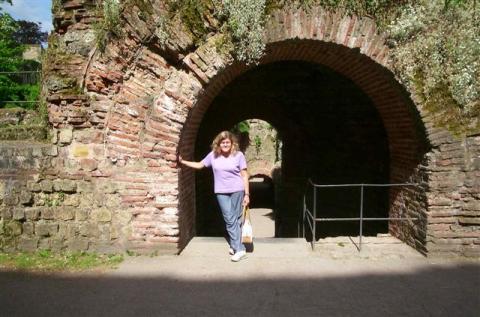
column 29, row 33
column 12, row 86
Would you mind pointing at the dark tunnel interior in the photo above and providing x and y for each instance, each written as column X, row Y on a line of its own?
column 331, row 133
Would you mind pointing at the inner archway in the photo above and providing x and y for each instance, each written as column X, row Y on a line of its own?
column 260, row 143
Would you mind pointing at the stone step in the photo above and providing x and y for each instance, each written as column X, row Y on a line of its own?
column 262, row 247
column 384, row 246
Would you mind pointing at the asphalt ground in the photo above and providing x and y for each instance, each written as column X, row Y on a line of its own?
column 279, row 278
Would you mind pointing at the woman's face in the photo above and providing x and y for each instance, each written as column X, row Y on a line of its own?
column 226, row 146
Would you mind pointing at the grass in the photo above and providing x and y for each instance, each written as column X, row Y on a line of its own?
column 46, row 260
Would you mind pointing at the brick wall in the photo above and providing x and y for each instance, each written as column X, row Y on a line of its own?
column 120, row 116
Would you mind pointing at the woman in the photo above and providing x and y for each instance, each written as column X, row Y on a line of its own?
column 230, row 185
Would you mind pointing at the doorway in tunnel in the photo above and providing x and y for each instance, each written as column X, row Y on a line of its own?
column 261, row 145
column 330, row 132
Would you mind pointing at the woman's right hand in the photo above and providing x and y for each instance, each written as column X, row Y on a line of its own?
column 179, row 161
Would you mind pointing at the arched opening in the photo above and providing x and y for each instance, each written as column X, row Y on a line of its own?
column 342, row 119
column 260, row 143
column 333, row 134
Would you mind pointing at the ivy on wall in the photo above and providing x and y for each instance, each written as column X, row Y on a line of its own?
column 435, row 50
column 435, row 43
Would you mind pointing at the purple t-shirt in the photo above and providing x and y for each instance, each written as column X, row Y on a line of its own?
column 226, row 172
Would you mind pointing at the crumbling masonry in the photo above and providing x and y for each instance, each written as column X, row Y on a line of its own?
column 108, row 180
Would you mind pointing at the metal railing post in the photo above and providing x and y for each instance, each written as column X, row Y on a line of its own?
column 361, row 218
column 304, row 213
column 314, row 216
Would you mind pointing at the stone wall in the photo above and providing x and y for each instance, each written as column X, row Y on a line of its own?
column 264, row 150
column 108, row 180
column 45, row 208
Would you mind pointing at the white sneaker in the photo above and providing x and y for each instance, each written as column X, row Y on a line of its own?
column 238, row 256
column 230, row 251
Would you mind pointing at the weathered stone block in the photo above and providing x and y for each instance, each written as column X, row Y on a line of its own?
column 83, row 229
column 47, row 213
column 93, row 230
column 54, row 136
column 122, row 217
column 14, row 228
column 33, row 187
column 108, row 188
column 98, row 198
column 11, row 199
column 111, row 201
column 32, row 213
column 469, row 220
column 45, row 244
column 473, row 205
column 115, row 231
column 78, row 244
column 84, row 187
column 46, row 229
column 26, row 198
column 2, row 191
column 71, row 231
column 27, row 244
column 81, row 214
column 65, row 213
column 57, row 245
column 65, row 136
column 46, row 186
column 104, row 232
column 6, row 212
column 104, row 246
column 65, row 185
column 71, row 200
column 88, row 164
column 28, row 228
column 62, row 230
column 18, row 214
column 101, row 215
column 80, row 150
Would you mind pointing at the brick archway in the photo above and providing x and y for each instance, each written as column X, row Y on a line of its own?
column 351, row 47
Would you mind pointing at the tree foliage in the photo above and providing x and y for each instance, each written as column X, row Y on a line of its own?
column 29, row 33
column 12, row 84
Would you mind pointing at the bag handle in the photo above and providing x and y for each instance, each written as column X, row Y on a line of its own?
column 246, row 213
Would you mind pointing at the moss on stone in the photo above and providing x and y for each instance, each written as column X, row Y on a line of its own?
column 23, row 132
column 196, row 15
column 145, row 6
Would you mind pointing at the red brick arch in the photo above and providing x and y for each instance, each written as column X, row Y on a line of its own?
column 350, row 46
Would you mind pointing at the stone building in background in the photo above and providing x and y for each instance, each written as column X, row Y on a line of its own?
column 107, row 178
column 33, row 52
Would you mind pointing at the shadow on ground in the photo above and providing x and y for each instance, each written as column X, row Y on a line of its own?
column 435, row 291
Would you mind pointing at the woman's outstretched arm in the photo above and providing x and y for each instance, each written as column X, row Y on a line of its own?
column 195, row 165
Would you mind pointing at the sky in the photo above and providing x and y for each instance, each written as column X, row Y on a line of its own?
column 31, row 10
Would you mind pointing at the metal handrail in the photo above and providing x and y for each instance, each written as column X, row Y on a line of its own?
column 312, row 219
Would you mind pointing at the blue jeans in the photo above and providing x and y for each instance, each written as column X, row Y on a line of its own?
column 231, row 206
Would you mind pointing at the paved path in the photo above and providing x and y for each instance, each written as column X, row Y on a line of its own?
column 262, row 220
column 280, row 278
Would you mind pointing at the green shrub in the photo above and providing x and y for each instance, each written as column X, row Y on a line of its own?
column 110, row 25
column 435, row 49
